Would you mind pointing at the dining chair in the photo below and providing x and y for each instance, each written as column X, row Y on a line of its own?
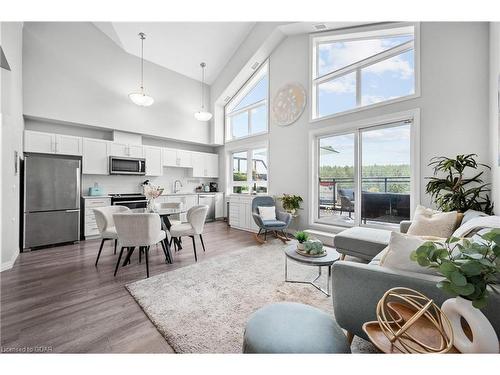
column 194, row 227
column 138, row 230
column 106, row 224
column 174, row 219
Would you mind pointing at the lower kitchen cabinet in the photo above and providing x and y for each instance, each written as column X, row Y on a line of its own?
column 90, row 229
column 240, row 212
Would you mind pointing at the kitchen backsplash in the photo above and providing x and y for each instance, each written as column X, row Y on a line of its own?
column 132, row 184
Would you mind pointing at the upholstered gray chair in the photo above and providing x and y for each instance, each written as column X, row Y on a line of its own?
column 106, row 224
column 194, row 227
column 279, row 224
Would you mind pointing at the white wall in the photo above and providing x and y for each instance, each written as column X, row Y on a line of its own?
column 11, row 113
column 495, row 112
column 73, row 72
column 453, row 103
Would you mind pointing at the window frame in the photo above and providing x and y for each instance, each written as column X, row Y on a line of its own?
column 248, row 149
column 357, row 127
column 245, row 89
column 360, row 33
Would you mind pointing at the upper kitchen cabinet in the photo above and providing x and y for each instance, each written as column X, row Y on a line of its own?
column 95, row 156
column 153, row 156
column 126, row 150
column 205, row 165
column 49, row 143
column 177, row 158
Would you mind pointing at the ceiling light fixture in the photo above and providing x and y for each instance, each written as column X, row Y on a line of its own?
column 203, row 115
column 140, row 97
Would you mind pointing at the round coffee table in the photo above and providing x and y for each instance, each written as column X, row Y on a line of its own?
column 326, row 261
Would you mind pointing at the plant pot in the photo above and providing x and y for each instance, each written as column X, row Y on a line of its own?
column 300, row 246
column 485, row 338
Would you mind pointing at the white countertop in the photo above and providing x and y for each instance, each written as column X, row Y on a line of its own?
column 166, row 194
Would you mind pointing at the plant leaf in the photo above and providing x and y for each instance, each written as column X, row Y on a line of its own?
column 458, row 279
column 471, row 268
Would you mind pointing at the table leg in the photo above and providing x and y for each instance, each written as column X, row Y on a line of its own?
column 329, row 279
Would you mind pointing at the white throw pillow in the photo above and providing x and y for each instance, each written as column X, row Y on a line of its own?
column 397, row 254
column 429, row 222
column 267, row 213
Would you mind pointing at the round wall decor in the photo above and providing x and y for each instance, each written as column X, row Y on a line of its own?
column 289, row 103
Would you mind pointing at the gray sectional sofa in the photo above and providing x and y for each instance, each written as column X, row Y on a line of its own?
column 357, row 287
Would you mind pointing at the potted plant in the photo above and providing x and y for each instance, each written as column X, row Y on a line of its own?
column 470, row 269
column 291, row 203
column 302, row 237
column 460, row 187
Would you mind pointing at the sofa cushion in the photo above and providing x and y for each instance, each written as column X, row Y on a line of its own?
column 362, row 242
column 429, row 222
column 397, row 254
column 273, row 223
column 471, row 214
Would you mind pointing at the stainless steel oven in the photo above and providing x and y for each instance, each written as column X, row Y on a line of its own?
column 124, row 165
column 134, row 200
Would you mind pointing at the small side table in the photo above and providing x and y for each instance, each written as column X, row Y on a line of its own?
column 325, row 261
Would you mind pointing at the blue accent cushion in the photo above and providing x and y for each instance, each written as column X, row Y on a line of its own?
column 273, row 223
column 289, row 327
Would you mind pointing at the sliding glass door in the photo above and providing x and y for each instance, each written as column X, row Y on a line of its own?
column 365, row 176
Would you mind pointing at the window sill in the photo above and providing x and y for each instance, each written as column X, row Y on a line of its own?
column 364, row 108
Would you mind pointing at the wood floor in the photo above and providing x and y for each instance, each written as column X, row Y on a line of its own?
column 57, row 298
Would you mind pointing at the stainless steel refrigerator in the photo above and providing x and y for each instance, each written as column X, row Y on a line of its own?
column 51, row 200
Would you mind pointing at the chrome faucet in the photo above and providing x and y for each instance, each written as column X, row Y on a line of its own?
column 175, row 186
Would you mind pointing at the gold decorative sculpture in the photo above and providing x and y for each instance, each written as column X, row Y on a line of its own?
column 409, row 322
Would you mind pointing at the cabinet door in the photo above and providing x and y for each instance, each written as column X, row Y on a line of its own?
column 199, row 164
column 68, row 145
column 118, row 149
column 219, row 205
column 184, row 159
column 169, row 157
column 154, row 165
column 95, row 156
column 39, row 142
column 135, row 151
column 212, row 165
column 234, row 213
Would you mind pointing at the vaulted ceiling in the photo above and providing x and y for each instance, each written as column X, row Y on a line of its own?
column 181, row 46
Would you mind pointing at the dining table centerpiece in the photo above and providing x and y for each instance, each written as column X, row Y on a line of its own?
column 152, row 192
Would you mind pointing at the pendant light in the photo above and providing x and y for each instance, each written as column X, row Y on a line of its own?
column 140, row 97
column 203, row 115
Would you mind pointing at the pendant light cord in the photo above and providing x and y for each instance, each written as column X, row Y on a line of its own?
column 142, row 36
column 203, row 65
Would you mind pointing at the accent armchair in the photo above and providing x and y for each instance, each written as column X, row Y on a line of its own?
column 279, row 224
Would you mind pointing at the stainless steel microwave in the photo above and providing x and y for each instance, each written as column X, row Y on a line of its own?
column 124, row 165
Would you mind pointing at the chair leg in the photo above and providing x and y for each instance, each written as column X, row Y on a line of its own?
column 116, row 243
column 146, row 251
column 119, row 258
column 194, row 249
column 265, row 235
column 171, row 239
column 129, row 255
column 167, row 258
column 350, row 337
column 140, row 255
column 99, row 253
column 202, row 243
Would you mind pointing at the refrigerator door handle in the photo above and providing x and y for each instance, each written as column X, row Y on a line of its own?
column 72, row 210
column 77, row 187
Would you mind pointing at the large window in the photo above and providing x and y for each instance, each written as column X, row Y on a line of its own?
column 246, row 113
column 359, row 69
column 249, row 171
column 374, row 163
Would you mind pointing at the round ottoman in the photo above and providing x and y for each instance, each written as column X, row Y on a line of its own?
column 289, row 327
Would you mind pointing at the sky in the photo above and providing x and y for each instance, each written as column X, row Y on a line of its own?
column 388, row 79
column 379, row 146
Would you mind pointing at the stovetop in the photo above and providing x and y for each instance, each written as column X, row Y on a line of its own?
column 126, row 195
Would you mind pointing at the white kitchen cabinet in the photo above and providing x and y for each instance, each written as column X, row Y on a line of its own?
column 49, row 143
column 90, row 226
column 219, row 205
column 177, row 158
column 68, row 145
column 125, row 150
column 95, row 156
column 153, row 156
column 240, row 213
column 205, row 164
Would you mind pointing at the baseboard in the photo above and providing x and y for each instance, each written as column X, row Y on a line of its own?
column 10, row 263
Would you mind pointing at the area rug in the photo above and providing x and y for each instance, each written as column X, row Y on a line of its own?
column 203, row 308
